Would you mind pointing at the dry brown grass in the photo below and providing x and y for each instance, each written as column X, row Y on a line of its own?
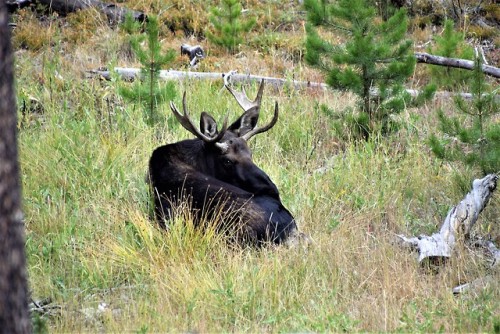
column 90, row 237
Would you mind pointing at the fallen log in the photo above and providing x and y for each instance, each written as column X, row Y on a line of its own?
column 426, row 58
column 130, row 74
column 457, row 225
column 487, row 281
column 195, row 53
column 478, row 284
column 13, row 5
column 114, row 13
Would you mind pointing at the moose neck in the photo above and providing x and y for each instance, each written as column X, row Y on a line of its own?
column 256, row 181
column 246, row 175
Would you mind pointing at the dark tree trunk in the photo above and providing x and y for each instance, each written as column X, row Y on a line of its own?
column 14, row 317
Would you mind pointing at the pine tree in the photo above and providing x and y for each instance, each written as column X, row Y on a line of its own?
column 473, row 137
column 450, row 44
column 373, row 63
column 229, row 29
column 148, row 92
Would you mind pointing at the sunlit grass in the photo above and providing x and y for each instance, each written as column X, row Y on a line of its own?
column 95, row 250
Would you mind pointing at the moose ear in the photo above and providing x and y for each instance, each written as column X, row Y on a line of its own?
column 246, row 122
column 208, row 126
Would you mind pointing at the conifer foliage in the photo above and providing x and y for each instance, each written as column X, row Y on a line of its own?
column 451, row 43
column 229, row 28
column 148, row 92
column 472, row 136
column 373, row 62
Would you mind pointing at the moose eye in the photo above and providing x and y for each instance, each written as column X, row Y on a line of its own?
column 227, row 163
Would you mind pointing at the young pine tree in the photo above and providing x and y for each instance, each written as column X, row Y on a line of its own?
column 228, row 27
column 472, row 137
column 450, row 44
column 148, row 92
column 374, row 62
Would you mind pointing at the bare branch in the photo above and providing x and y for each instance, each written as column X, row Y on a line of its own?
column 423, row 57
column 458, row 223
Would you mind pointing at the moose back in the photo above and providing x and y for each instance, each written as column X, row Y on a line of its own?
column 216, row 176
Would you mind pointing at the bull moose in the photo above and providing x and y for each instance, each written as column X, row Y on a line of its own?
column 215, row 174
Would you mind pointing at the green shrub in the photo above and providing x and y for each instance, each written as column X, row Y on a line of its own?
column 472, row 137
column 148, row 92
column 374, row 63
column 229, row 29
column 450, row 44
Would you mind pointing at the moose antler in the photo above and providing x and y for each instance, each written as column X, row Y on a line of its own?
column 188, row 124
column 252, row 106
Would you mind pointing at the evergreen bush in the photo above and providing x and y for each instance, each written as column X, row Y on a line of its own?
column 473, row 136
column 450, row 44
column 229, row 28
column 148, row 92
column 373, row 63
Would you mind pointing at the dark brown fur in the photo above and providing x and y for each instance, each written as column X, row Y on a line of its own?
column 215, row 174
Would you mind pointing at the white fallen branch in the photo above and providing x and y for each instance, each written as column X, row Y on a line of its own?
column 476, row 285
column 466, row 64
column 487, row 281
column 130, row 74
column 457, row 225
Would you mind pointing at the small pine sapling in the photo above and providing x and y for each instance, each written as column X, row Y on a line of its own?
column 148, row 92
column 373, row 63
column 450, row 44
column 228, row 27
column 473, row 136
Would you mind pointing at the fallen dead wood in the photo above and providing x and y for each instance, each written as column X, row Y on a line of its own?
column 44, row 307
column 483, row 282
column 476, row 285
column 457, row 225
column 455, row 62
column 130, row 74
column 114, row 13
column 13, row 5
column 489, row 280
column 437, row 248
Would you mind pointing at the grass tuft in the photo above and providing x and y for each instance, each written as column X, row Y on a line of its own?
column 94, row 249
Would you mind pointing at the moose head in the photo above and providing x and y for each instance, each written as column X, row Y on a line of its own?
column 228, row 156
column 218, row 164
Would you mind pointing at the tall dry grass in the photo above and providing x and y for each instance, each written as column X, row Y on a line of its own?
column 94, row 249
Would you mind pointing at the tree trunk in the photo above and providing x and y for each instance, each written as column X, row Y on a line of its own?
column 455, row 62
column 14, row 316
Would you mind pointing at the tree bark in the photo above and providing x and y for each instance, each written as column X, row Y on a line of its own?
column 14, row 316
column 114, row 13
column 457, row 225
column 455, row 62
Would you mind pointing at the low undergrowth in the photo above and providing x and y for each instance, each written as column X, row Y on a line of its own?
column 94, row 250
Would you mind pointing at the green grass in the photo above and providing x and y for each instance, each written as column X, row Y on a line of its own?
column 90, row 238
